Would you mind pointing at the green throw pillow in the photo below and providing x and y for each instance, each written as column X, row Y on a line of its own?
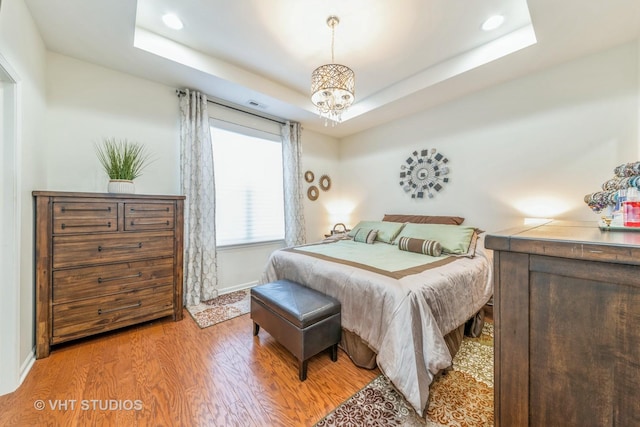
column 387, row 231
column 454, row 239
column 365, row 235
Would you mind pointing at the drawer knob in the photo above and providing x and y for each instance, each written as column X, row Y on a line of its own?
column 113, row 248
column 109, row 279
column 124, row 307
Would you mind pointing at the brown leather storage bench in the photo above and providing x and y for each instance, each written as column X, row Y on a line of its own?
column 303, row 320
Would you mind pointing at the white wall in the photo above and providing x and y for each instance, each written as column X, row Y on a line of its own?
column 320, row 155
column 638, row 98
column 23, row 49
column 531, row 147
column 87, row 103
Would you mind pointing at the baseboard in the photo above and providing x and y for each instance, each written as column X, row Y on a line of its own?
column 27, row 365
column 237, row 287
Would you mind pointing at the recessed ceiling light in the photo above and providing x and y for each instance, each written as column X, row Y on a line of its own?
column 172, row 21
column 493, row 22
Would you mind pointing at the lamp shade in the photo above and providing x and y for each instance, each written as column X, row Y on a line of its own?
column 333, row 89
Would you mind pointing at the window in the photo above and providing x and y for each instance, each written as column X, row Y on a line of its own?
column 248, row 178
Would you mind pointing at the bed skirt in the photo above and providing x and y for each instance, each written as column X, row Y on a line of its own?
column 364, row 357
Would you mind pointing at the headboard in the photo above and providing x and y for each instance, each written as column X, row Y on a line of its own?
column 424, row 219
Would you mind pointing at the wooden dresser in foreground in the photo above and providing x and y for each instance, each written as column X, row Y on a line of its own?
column 104, row 261
column 567, row 326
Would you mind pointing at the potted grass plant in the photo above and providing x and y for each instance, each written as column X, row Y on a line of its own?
column 123, row 161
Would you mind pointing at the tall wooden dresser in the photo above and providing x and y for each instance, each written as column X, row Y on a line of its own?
column 104, row 261
column 567, row 326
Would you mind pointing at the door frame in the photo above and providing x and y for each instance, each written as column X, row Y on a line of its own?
column 10, row 226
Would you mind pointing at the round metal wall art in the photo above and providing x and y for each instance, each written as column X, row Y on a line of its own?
column 424, row 173
column 309, row 176
column 324, row 182
column 313, row 193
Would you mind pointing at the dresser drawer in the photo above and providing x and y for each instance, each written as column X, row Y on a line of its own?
column 90, row 282
column 148, row 216
column 83, row 217
column 82, row 318
column 70, row 251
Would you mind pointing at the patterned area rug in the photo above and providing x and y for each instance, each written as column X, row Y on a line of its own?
column 461, row 397
column 222, row 308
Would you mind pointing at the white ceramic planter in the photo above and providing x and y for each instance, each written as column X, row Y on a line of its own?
column 121, row 186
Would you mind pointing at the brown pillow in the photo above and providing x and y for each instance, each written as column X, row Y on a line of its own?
column 427, row 247
column 424, row 219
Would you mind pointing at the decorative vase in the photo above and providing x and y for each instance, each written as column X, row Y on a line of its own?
column 121, row 186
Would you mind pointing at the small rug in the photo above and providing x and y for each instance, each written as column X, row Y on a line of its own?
column 224, row 307
column 461, row 397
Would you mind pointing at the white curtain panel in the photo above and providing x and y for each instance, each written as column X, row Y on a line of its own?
column 294, row 225
column 196, row 172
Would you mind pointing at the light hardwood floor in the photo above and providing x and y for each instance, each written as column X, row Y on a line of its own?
column 179, row 375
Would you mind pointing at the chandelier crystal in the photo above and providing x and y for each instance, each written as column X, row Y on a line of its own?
column 332, row 85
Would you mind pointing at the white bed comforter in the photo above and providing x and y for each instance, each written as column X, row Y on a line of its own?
column 403, row 320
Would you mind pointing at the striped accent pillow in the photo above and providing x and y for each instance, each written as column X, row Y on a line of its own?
column 427, row 247
column 365, row 235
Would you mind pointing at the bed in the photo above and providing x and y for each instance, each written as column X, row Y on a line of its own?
column 403, row 308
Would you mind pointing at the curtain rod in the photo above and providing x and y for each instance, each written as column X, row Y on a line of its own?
column 180, row 92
